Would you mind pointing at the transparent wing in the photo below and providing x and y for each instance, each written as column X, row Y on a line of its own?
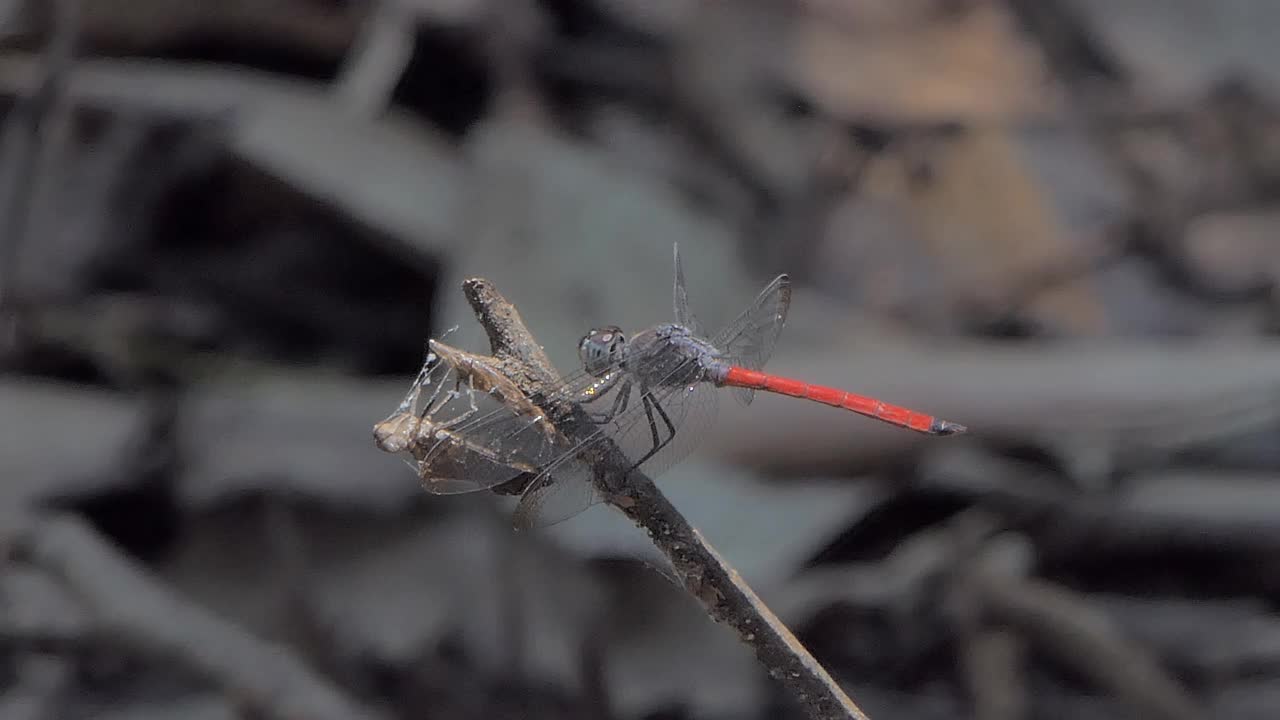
column 556, row 496
column 646, row 438
column 473, row 429
column 652, row 430
column 684, row 315
column 470, row 429
column 749, row 340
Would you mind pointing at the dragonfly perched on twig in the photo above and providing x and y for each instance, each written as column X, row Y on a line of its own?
column 652, row 395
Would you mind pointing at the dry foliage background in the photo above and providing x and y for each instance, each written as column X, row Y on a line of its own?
column 227, row 229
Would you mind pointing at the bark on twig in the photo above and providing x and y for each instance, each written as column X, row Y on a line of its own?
column 125, row 602
column 704, row 573
column 513, row 346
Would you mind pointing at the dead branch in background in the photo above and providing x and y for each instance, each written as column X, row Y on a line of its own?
column 1063, row 624
column 706, row 575
column 34, row 142
column 375, row 64
column 126, row 603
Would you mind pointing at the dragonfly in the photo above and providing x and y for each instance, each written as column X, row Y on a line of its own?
column 648, row 398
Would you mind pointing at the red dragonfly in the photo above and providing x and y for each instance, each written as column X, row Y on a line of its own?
column 652, row 395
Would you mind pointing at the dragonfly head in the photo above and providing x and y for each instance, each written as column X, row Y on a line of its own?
column 601, row 349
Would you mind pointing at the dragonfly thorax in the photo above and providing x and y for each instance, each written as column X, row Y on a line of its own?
column 670, row 355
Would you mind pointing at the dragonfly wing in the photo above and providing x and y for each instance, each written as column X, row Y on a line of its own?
column 567, row 488
column 657, row 427
column 651, row 430
column 476, row 430
column 662, row 432
column 472, row 430
column 556, row 495
column 684, row 315
column 750, row 339
column 453, row 467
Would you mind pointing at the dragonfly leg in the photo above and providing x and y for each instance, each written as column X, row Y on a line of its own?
column 620, row 402
column 651, row 406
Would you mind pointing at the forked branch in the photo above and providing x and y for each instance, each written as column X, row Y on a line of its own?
column 704, row 573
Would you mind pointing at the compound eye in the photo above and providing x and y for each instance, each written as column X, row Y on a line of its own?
column 614, row 340
column 591, row 351
column 599, row 348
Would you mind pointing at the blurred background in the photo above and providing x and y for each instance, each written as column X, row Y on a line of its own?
column 227, row 231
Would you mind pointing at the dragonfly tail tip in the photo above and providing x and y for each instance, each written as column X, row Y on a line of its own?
column 942, row 427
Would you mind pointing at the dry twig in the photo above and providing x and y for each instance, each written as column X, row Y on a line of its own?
column 704, row 573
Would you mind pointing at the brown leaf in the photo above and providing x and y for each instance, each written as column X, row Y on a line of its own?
column 995, row 224
column 944, row 68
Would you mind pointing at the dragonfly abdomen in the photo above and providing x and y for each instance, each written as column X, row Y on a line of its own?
column 736, row 376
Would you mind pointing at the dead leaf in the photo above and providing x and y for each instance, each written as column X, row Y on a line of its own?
column 969, row 67
column 994, row 222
